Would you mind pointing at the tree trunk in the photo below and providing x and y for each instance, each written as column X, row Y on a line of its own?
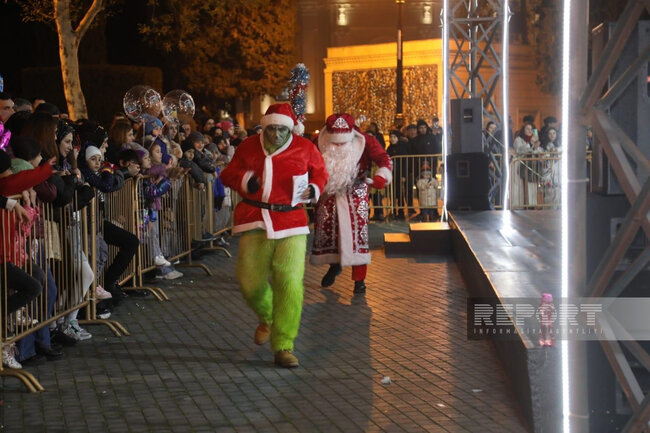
column 68, row 54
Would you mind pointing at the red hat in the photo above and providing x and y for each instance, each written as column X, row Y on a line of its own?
column 279, row 114
column 340, row 127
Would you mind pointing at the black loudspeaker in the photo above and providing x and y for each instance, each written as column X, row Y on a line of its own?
column 466, row 125
column 468, row 181
column 631, row 110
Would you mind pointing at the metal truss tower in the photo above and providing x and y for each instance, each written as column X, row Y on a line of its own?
column 475, row 67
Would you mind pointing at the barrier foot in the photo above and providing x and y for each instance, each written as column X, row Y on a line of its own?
column 195, row 265
column 31, row 383
column 218, row 249
column 157, row 292
column 117, row 330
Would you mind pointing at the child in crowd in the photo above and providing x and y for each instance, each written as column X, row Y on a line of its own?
column 427, row 193
column 153, row 188
column 196, row 141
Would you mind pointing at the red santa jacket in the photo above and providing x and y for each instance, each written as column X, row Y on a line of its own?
column 374, row 152
column 278, row 173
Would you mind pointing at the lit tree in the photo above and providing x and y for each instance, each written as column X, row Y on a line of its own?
column 234, row 49
column 72, row 18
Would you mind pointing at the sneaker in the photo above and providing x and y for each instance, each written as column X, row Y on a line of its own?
column 77, row 332
column 9, row 356
column 102, row 293
column 172, row 275
column 223, row 243
column 161, row 261
column 105, row 315
column 58, row 336
column 23, row 319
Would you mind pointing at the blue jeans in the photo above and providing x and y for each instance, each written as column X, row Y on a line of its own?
column 27, row 345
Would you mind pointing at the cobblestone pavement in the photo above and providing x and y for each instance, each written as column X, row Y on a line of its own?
column 190, row 365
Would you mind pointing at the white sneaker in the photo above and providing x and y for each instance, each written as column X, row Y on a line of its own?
column 23, row 319
column 103, row 293
column 161, row 261
column 104, row 316
column 9, row 356
column 172, row 275
column 77, row 332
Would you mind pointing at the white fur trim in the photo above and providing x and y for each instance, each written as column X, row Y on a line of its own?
column 245, row 179
column 335, row 138
column 304, row 230
column 277, row 119
column 316, row 193
column 299, row 129
column 345, row 227
column 385, row 173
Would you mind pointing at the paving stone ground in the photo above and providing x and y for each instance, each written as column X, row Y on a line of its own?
column 190, row 365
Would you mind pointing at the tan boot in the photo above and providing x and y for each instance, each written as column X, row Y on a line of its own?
column 262, row 333
column 286, row 359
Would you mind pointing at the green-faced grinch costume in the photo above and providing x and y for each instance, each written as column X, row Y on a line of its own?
column 274, row 173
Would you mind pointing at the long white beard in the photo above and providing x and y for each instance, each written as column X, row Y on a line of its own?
column 342, row 165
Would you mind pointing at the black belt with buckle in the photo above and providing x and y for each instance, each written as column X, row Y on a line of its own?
column 271, row 206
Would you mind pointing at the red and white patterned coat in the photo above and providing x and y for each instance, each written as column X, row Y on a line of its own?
column 341, row 227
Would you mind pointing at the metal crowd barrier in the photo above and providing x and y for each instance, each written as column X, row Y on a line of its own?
column 204, row 219
column 400, row 198
column 535, row 181
column 58, row 241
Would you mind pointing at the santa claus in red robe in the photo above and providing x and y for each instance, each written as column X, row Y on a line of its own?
column 341, row 219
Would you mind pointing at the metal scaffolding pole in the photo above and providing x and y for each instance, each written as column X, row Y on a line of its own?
column 577, row 208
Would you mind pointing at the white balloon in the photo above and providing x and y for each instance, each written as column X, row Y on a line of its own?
column 140, row 100
column 176, row 105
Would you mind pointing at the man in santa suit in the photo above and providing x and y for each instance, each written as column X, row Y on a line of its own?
column 274, row 172
column 341, row 222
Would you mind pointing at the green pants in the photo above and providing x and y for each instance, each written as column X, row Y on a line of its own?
column 278, row 302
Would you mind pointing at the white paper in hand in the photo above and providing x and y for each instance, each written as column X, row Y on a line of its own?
column 300, row 184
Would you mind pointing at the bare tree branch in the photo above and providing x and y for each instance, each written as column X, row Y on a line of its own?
column 87, row 20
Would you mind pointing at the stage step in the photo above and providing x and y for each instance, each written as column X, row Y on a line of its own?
column 423, row 239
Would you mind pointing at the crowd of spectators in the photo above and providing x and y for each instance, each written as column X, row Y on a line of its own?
column 53, row 160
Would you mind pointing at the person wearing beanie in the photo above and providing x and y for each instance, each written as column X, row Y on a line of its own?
column 340, row 231
column 153, row 126
column 274, row 173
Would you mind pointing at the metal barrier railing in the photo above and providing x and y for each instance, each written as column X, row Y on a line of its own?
column 64, row 241
column 56, row 240
column 539, row 190
column 535, row 182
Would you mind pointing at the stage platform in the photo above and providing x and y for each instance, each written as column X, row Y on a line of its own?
column 517, row 257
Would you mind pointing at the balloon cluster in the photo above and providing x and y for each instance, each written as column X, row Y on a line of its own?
column 297, row 90
column 143, row 102
column 5, row 136
column 177, row 105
